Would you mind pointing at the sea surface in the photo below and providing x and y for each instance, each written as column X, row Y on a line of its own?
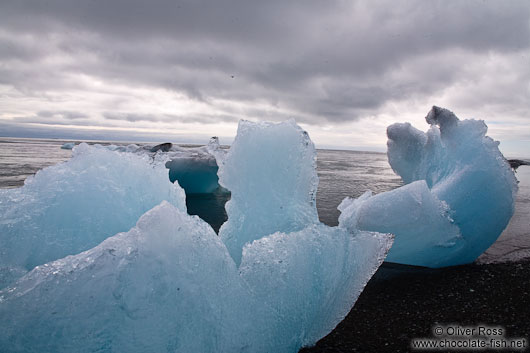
column 341, row 174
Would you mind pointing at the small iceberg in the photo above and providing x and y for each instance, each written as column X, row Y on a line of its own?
column 459, row 197
column 68, row 146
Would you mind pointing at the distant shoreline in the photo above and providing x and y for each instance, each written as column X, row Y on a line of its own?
column 182, row 144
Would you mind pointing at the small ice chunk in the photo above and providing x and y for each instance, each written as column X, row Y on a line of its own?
column 214, row 148
column 68, row 145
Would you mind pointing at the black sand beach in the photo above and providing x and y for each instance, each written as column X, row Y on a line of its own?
column 400, row 304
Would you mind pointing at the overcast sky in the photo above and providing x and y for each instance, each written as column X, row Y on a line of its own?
column 187, row 70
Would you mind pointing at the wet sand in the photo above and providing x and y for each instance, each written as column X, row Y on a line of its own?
column 399, row 304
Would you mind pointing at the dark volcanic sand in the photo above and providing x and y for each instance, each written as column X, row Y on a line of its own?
column 400, row 304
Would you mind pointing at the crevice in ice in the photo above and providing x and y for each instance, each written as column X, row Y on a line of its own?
column 210, row 207
column 195, row 170
column 195, row 174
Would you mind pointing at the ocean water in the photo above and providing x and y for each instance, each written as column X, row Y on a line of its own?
column 350, row 173
column 341, row 174
column 20, row 158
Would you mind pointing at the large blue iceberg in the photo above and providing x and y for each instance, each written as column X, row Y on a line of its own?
column 276, row 279
column 459, row 197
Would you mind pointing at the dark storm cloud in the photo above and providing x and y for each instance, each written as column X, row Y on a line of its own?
column 317, row 61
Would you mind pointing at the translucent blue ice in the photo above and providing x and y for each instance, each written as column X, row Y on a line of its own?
column 195, row 175
column 276, row 191
column 166, row 285
column 195, row 169
column 170, row 284
column 420, row 221
column 459, row 199
column 73, row 206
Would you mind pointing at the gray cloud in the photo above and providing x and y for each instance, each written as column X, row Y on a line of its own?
column 56, row 120
column 168, row 118
column 317, row 61
column 131, row 117
column 17, row 130
column 68, row 115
